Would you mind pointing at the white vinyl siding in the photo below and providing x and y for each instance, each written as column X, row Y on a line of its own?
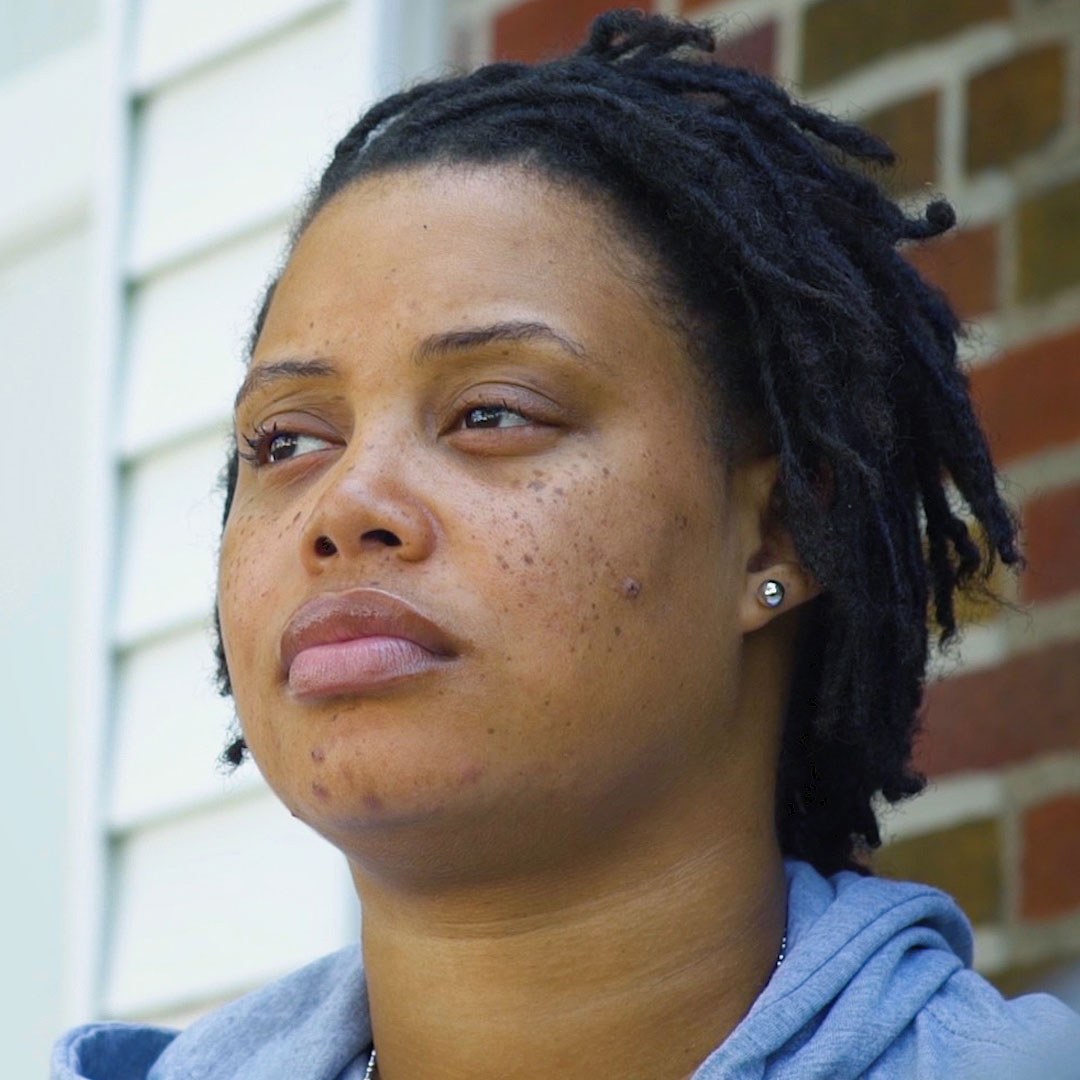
column 236, row 144
column 211, row 904
column 150, row 783
column 158, row 165
column 48, row 130
column 211, row 886
column 31, row 32
column 173, row 36
column 170, row 522
column 52, row 184
column 187, row 329
column 43, row 316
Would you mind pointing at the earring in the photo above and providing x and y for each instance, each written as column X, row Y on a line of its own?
column 771, row 593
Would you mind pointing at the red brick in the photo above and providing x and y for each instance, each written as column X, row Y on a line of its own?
column 910, row 128
column 541, row 29
column 1028, row 706
column 1020, row 979
column 1052, row 544
column 964, row 861
column 965, row 265
column 1029, row 400
column 1015, row 107
column 842, row 35
column 1050, row 876
column 1049, row 242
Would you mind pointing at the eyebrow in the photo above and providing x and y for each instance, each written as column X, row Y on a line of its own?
column 514, row 332
column 260, row 375
column 432, row 347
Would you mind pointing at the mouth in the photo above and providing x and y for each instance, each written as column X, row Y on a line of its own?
column 358, row 641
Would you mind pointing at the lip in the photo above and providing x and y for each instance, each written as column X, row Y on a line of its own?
column 359, row 640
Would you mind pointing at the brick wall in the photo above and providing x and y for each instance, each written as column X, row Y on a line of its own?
column 981, row 99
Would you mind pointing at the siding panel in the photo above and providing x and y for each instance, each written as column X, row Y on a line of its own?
column 170, row 728
column 187, row 335
column 239, row 145
column 169, row 539
column 210, row 905
column 171, row 35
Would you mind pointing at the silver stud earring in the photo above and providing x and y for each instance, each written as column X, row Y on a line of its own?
column 771, row 593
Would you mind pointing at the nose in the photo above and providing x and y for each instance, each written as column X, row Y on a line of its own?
column 365, row 507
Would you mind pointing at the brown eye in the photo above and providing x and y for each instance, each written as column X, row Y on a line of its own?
column 493, row 416
column 290, row 444
column 272, row 447
column 283, row 446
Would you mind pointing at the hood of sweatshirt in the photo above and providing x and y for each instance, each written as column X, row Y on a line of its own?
column 876, row 983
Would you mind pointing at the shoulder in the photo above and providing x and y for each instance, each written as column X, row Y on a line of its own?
column 312, row 1022
column 105, row 1050
column 967, row 1029
column 878, row 984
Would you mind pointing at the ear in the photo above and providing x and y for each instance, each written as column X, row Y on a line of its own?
column 766, row 547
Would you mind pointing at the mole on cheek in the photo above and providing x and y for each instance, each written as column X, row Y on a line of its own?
column 631, row 588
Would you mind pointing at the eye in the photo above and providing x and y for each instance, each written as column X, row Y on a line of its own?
column 492, row 416
column 271, row 446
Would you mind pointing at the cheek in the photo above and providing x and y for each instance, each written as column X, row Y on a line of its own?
column 585, row 552
column 248, row 579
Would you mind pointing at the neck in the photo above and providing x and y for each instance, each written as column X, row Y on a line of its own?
column 640, row 966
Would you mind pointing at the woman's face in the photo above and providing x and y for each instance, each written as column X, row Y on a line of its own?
column 483, row 577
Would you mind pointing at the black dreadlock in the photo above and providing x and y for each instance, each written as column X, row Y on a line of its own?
column 779, row 252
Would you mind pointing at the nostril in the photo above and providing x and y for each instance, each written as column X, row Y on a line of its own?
column 382, row 536
column 325, row 546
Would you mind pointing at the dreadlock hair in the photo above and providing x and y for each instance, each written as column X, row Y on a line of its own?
column 777, row 250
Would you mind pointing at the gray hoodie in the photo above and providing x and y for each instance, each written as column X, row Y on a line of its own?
column 877, row 983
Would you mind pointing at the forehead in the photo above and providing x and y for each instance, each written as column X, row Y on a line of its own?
column 446, row 245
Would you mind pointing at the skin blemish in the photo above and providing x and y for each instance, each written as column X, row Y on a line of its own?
column 631, row 588
column 471, row 775
column 527, row 560
column 320, row 792
column 373, row 802
column 318, row 754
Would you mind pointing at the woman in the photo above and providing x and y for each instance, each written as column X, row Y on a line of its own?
column 588, row 498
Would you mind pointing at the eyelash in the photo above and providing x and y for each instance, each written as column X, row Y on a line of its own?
column 258, row 443
column 262, row 437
